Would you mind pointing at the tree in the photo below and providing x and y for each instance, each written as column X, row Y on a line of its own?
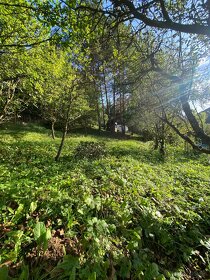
column 60, row 87
column 178, row 16
column 184, row 16
column 16, row 71
column 27, row 28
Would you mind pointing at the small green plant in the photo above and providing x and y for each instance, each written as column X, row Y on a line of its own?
column 90, row 150
column 42, row 235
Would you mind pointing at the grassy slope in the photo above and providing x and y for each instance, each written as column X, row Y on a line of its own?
column 128, row 215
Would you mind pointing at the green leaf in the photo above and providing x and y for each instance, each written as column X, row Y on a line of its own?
column 33, row 206
column 4, row 273
column 18, row 213
column 39, row 230
column 151, row 272
column 160, row 277
column 46, row 237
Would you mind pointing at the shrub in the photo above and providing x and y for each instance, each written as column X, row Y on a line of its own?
column 90, row 150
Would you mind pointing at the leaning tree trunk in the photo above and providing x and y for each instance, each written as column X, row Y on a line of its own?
column 62, row 141
column 194, row 123
column 184, row 89
column 65, row 130
column 184, row 136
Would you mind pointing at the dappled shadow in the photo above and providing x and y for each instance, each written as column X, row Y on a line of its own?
column 20, row 130
column 103, row 134
column 147, row 236
column 138, row 153
column 185, row 156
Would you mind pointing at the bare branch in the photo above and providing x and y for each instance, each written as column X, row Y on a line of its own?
column 164, row 11
column 28, row 45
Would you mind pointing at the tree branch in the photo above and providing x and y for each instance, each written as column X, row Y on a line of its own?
column 164, row 11
column 18, row 6
column 28, row 45
column 168, row 23
column 199, row 132
column 185, row 137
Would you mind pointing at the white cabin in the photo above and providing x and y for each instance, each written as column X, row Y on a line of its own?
column 119, row 128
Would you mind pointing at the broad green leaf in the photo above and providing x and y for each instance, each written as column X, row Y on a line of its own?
column 39, row 230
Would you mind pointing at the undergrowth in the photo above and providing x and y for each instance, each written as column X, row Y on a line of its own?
column 123, row 213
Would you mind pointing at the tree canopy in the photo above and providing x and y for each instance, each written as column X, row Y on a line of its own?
column 127, row 59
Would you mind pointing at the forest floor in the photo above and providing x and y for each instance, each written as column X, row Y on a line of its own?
column 109, row 209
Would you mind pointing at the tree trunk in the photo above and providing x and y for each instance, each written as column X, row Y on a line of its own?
column 62, row 141
column 194, row 124
column 156, row 140
column 99, row 116
column 103, row 111
column 113, row 117
column 185, row 137
column 162, row 146
column 106, row 94
column 53, row 129
column 123, row 110
column 162, row 137
column 184, row 89
column 64, row 130
column 159, row 140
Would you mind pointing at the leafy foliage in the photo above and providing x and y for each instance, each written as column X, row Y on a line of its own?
column 126, row 215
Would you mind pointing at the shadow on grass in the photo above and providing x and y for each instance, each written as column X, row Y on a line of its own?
column 19, row 130
column 35, row 177
column 103, row 134
column 147, row 155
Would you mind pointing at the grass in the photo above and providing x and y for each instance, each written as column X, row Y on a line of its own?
column 126, row 214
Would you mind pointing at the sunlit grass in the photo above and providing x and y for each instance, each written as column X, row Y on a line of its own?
column 130, row 203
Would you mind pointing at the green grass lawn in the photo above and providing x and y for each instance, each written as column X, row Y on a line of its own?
column 126, row 213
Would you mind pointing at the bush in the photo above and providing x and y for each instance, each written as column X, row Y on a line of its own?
column 90, row 150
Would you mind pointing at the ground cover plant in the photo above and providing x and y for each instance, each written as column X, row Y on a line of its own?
column 119, row 212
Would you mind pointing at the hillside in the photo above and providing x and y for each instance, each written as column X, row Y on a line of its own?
column 110, row 210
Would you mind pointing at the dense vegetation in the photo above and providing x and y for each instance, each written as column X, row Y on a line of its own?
column 109, row 209
column 84, row 63
column 104, row 205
